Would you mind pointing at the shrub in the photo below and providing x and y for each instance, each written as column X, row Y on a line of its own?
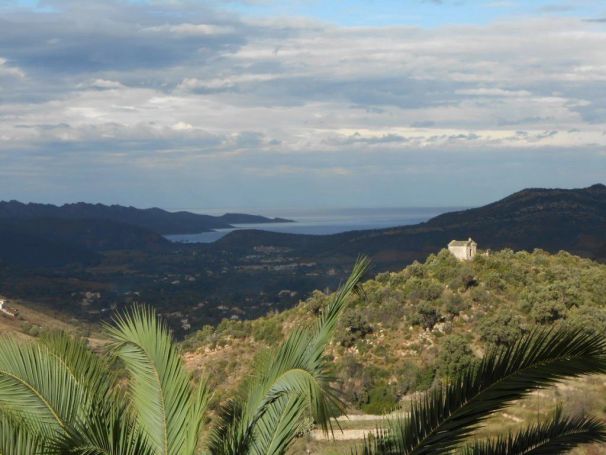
column 502, row 329
column 479, row 295
column 454, row 304
column 354, row 328
column 425, row 378
column 495, row 282
column 455, row 355
column 427, row 316
column 590, row 319
column 235, row 329
column 423, row 289
column 267, row 330
column 381, row 399
column 548, row 312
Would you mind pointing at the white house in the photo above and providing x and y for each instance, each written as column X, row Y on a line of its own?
column 464, row 250
column 12, row 312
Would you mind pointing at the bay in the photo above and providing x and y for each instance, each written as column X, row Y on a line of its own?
column 321, row 222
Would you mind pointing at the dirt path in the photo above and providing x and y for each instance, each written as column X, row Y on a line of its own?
column 345, row 435
column 350, row 434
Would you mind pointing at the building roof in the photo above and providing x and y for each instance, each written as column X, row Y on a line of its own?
column 462, row 242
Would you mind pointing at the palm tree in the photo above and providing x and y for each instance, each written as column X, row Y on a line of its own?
column 58, row 397
column 444, row 420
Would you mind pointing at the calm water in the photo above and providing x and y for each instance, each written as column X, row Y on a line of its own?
column 317, row 222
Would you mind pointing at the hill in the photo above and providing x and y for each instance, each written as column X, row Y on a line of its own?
column 153, row 219
column 48, row 236
column 250, row 273
column 55, row 242
column 410, row 328
column 21, row 248
column 552, row 219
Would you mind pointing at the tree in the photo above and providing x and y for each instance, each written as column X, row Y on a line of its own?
column 427, row 316
column 444, row 419
column 503, row 328
column 58, row 397
column 455, row 355
column 354, row 327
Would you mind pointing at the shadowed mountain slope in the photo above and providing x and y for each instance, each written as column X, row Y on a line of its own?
column 551, row 219
column 153, row 219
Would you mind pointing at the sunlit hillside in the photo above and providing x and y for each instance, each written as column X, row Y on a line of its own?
column 409, row 329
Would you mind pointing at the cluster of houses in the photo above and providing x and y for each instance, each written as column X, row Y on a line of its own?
column 8, row 311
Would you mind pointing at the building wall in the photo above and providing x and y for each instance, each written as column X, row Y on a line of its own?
column 463, row 253
column 472, row 251
column 460, row 252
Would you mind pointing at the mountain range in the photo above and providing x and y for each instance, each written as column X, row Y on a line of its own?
column 60, row 261
column 154, row 219
column 552, row 219
column 45, row 235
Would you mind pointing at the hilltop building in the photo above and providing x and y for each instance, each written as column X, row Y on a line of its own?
column 464, row 250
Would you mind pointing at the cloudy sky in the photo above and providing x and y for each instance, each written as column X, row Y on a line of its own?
column 299, row 103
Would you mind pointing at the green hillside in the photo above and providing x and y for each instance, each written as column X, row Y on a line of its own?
column 409, row 328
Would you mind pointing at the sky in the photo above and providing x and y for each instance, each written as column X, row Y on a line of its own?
column 299, row 103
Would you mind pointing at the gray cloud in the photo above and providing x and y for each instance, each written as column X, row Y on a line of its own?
column 173, row 91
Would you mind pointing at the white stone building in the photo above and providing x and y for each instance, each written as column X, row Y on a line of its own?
column 464, row 250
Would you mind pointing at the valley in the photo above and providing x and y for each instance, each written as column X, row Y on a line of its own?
column 89, row 273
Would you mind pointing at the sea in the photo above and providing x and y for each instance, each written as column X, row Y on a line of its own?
column 319, row 222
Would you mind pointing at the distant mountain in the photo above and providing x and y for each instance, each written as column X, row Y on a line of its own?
column 26, row 249
column 96, row 235
column 154, row 219
column 55, row 242
column 551, row 219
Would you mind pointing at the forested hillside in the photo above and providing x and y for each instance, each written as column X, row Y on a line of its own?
column 409, row 328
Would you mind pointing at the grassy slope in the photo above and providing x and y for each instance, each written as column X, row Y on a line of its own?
column 40, row 319
column 428, row 320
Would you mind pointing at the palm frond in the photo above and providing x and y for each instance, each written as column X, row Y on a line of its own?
column 228, row 436
column 159, row 385
column 197, row 413
column 295, row 379
column 327, row 322
column 109, row 429
column 280, row 426
column 441, row 420
column 17, row 438
column 90, row 370
column 36, row 385
column 556, row 436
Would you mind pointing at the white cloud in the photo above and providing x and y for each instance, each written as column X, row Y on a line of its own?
column 106, row 84
column 182, row 126
column 190, row 29
column 7, row 70
column 190, row 92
